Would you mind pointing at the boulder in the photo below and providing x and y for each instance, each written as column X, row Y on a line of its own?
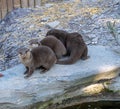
column 62, row 85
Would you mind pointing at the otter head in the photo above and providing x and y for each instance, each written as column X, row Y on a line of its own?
column 34, row 43
column 59, row 34
column 24, row 54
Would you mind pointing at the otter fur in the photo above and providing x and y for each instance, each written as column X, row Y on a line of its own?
column 39, row 57
column 74, row 43
column 52, row 42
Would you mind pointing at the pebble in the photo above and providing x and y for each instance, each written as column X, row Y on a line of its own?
column 62, row 10
column 2, row 23
column 48, row 5
column 52, row 24
column 95, row 41
column 45, row 19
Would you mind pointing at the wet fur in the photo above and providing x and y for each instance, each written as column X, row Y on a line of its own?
column 39, row 57
column 52, row 42
column 74, row 43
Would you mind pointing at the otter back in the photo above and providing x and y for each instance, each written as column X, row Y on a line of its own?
column 55, row 44
column 74, row 43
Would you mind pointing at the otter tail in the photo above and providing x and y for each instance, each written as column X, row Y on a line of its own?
column 66, row 61
column 74, row 57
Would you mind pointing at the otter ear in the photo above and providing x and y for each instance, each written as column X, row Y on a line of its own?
column 19, row 51
column 31, row 41
column 26, row 50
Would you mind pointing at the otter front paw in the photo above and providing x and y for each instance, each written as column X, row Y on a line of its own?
column 29, row 73
column 43, row 70
column 25, row 72
column 26, row 76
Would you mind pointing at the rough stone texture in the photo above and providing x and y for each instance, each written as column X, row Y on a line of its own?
column 90, row 19
column 15, row 91
column 52, row 24
column 115, row 86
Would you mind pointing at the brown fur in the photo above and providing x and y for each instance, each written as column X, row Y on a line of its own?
column 52, row 42
column 34, row 43
column 41, row 56
column 74, row 43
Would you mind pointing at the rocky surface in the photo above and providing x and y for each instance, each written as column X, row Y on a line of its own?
column 83, row 78
column 94, row 20
column 99, row 23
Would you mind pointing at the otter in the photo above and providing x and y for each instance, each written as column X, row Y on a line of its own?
column 74, row 43
column 39, row 57
column 52, row 42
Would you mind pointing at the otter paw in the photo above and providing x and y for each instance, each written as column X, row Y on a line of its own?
column 25, row 72
column 27, row 76
column 43, row 70
column 84, row 58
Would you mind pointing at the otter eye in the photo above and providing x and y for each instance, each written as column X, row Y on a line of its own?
column 26, row 51
column 20, row 52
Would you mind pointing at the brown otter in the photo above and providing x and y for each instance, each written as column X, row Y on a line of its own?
column 52, row 42
column 74, row 43
column 41, row 56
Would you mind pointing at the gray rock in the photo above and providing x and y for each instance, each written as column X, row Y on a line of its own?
column 62, row 10
column 48, row 5
column 116, row 49
column 115, row 86
column 45, row 19
column 2, row 22
column 95, row 40
column 16, row 91
column 53, row 24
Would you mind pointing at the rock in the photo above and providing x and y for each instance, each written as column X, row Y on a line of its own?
column 2, row 22
column 116, row 49
column 62, row 10
column 115, row 86
column 64, row 81
column 48, row 5
column 95, row 40
column 32, row 26
column 45, row 19
column 118, row 9
column 53, row 24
